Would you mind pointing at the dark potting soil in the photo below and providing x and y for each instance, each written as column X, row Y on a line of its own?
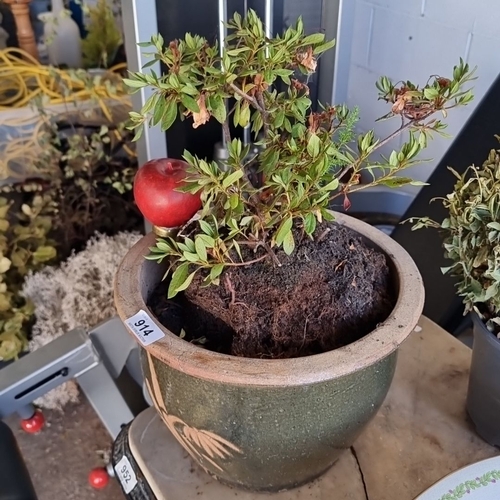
column 328, row 293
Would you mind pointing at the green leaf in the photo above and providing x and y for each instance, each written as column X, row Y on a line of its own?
column 218, row 108
column 394, row 182
column 190, row 90
column 206, row 228
column 431, row 93
column 169, row 115
column 289, row 243
column 279, row 118
column 190, row 244
column 236, row 114
column 309, row 223
column 173, row 80
column 284, row 229
column 313, row 39
column 331, row 186
column 190, row 103
column 393, row 159
column 200, row 248
column 162, row 245
column 313, row 145
column 234, row 200
column 238, row 249
column 191, row 256
column 186, row 283
column 138, row 134
column 494, row 225
column 208, row 240
column 270, row 159
column 324, row 47
column 283, row 72
column 235, row 52
column 244, row 115
column 158, row 111
column 178, row 278
column 216, row 271
column 327, row 214
column 257, row 122
column 134, row 84
column 44, row 253
column 232, row 178
column 150, row 103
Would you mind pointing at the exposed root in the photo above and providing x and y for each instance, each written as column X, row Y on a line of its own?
column 232, row 291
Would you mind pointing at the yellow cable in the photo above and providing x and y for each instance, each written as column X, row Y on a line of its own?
column 23, row 78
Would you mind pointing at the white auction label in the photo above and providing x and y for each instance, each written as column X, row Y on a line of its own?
column 144, row 328
column 126, row 475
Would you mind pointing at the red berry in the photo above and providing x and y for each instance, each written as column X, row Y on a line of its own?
column 34, row 424
column 98, row 478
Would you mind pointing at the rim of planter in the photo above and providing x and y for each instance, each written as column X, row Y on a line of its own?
column 202, row 363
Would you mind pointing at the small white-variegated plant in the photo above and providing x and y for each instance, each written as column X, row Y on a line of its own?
column 472, row 238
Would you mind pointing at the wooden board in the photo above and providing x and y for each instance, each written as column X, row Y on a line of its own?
column 420, row 435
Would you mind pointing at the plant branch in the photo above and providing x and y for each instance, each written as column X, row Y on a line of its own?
column 247, row 97
column 226, row 131
column 393, row 135
column 264, row 113
column 383, row 142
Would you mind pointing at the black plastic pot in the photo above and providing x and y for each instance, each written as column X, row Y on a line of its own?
column 483, row 398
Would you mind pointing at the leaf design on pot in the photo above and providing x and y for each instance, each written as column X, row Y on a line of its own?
column 200, row 444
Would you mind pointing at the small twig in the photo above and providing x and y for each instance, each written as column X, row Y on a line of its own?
column 247, row 263
column 305, row 334
column 269, row 250
column 247, row 97
column 339, row 265
column 322, row 236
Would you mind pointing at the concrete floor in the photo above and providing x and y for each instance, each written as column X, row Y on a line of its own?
column 61, row 456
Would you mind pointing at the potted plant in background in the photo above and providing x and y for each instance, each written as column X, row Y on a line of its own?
column 272, row 341
column 67, row 166
column 103, row 38
column 472, row 243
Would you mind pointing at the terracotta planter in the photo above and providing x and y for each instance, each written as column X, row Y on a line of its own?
column 483, row 396
column 271, row 424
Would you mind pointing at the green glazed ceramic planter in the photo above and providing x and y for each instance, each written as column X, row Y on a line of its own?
column 269, row 425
